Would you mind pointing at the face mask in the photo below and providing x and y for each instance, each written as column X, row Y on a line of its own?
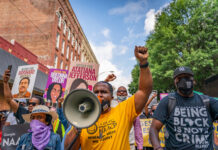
column 185, row 86
column 121, row 98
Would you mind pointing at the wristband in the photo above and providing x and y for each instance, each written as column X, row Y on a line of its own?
column 144, row 65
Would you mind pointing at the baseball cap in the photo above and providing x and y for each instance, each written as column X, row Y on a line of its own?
column 182, row 70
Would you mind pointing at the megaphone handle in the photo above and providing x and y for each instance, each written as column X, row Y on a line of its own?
column 74, row 140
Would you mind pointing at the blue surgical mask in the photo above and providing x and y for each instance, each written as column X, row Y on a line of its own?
column 121, row 98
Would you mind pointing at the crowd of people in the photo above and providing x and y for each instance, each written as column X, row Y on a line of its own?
column 188, row 117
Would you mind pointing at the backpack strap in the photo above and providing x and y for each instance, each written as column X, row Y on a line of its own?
column 205, row 99
column 171, row 103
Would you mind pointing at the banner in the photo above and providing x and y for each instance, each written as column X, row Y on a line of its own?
column 24, row 81
column 11, row 135
column 82, row 75
column 215, row 135
column 56, row 83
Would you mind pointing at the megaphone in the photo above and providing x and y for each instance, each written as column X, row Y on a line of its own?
column 81, row 108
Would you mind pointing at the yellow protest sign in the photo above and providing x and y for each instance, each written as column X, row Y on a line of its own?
column 145, row 125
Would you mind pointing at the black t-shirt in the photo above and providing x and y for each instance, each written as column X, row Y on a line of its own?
column 20, row 111
column 189, row 125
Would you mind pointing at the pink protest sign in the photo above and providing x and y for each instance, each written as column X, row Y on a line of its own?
column 82, row 75
column 55, row 87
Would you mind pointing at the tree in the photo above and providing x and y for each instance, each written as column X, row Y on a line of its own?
column 185, row 34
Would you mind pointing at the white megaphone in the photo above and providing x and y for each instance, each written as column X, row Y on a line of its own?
column 81, row 108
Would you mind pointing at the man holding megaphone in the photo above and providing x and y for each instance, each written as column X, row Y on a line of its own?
column 111, row 131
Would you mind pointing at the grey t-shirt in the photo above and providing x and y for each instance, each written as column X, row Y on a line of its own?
column 189, row 125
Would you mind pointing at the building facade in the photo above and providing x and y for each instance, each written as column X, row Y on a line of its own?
column 13, row 53
column 48, row 28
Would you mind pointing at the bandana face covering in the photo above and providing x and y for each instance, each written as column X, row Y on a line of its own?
column 185, row 86
column 40, row 134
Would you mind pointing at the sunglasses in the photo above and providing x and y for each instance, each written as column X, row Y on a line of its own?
column 31, row 103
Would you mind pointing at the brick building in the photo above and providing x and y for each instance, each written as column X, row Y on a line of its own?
column 48, row 28
column 16, row 55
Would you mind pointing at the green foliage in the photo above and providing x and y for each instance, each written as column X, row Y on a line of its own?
column 185, row 34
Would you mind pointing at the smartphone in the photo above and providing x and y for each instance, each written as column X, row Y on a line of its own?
column 10, row 67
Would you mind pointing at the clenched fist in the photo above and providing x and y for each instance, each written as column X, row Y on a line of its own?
column 141, row 53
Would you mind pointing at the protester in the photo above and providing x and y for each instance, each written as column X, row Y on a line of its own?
column 3, row 117
column 188, row 117
column 153, row 108
column 147, row 112
column 135, row 135
column 19, row 110
column 111, row 131
column 23, row 85
column 40, row 135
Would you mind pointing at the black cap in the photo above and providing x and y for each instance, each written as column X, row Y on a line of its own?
column 182, row 70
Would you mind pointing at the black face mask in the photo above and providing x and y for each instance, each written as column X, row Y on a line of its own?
column 105, row 105
column 185, row 86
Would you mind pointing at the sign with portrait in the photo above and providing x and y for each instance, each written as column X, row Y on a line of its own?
column 56, row 83
column 82, row 75
column 24, row 81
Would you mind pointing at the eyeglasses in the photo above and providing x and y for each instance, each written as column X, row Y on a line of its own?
column 31, row 103
column 124, row 91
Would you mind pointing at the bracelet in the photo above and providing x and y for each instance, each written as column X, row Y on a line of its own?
column 144, row 65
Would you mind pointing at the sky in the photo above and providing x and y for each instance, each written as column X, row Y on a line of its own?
column 113, row 28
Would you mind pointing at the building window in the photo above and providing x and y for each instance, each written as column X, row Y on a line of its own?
column 71, row 55
column 79, row 48
column 59, row 19
column 72, row 39
column 82, row 58
column 56, row 61
column 65, row 27
column 63, row 46
column 69, row 34
column 57, row 40
column 76, row 45
column 61, row 65
column 67, row 52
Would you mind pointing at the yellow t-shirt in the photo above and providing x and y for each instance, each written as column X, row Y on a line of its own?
column 111, row 131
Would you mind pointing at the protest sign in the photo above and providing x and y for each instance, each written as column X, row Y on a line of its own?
column 82, row 75
column 11, row 135
column 145, row 125
column 215, row 137
column 24, row 81
column 56, row 83
column 162, row 95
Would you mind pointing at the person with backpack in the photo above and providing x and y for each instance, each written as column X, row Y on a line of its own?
column 188, row 117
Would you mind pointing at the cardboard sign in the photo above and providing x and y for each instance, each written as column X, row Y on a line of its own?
column 56, row 83
column 82, row 75
column 24, row 81
column 11, row 135
column 145, row 125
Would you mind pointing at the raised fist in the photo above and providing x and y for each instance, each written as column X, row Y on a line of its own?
column 141, row 53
